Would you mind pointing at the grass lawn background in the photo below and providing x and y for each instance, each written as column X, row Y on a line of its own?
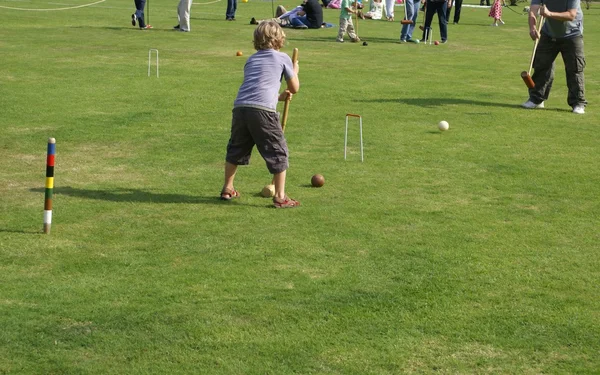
column 469, row 251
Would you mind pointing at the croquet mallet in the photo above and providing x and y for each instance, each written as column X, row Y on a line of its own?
column 286, row 105
column 526, row 75
column 422, row 26
column 406, row 21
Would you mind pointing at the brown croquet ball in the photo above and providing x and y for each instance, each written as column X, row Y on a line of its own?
column 317, row 180
column 239, row 53
column 436, row 42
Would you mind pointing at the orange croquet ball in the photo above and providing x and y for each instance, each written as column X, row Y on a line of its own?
column 239, row 53
column 317, row 180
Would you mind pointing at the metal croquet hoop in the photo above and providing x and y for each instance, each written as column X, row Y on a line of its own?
column 362, row 159
column 150, row 60
column 428, row 31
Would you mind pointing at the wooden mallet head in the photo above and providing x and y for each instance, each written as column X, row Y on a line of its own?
column 527, row 79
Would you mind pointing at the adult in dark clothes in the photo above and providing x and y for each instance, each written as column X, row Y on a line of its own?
column 313, row 17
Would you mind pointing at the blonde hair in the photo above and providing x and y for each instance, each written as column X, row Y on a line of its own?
column 268, row 35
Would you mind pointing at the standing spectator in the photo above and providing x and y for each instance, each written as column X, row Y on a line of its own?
column 389, row 10
column 346, row 25
column 183, row 14
column 138, row 16
column 231, row 8
column 496, row 12
column 432, row 7
column 412, row 12
column 312, row 18
column 255, row 120
column 562, row 32
column 457, row 7
column 487, row 2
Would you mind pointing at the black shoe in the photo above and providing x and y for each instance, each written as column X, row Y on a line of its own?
column 253, row 21
column 176, row 27
column 133, row 19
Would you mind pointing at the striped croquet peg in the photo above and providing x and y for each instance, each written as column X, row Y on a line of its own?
column 49, row 184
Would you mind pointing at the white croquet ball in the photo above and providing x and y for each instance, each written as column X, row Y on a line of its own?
column 443, row 125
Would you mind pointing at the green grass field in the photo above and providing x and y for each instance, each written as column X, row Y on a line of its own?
column 475, row 250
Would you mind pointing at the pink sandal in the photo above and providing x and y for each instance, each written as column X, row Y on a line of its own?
column 285, row 202
column 229, row 194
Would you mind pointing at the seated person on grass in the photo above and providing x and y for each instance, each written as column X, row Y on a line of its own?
column 313, row 17
column 304, row 16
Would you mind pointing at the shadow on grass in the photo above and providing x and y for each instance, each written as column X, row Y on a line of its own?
column 436, row 102
column 132, row 195
column 332, row 40
column 21, row 231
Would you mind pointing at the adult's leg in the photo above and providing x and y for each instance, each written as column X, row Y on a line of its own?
column 574, row 59
column 457, row 8
column 299, row 21
column 412, row 11
column 429, row 12
column 231, row 6
column 184, row 14
column 139, row 12
column 543, row 69
column 443, row 21
column 389, row 9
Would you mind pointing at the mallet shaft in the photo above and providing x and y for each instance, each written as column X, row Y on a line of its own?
column 286, row 105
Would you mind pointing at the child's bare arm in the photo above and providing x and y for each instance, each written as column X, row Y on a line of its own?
column 293, row 85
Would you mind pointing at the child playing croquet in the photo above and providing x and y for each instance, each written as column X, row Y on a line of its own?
column 346, row 24
column 255, row 120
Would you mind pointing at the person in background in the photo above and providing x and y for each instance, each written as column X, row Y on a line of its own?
column 389, row 10
column 138, row 16
column 183, row 14
column 231, row 8
column 432, row 7
column 562, row 33
column 346, row 25
column 496, row 12
column 412, row 12
column 457, row 8
column 375, row 11
column 312, row 18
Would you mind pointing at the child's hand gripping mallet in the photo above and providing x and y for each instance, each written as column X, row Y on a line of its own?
column 526, row 75
column 286, row 105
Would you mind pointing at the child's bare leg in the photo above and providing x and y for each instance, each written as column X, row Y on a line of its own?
column 279, row 182
column 230, row 170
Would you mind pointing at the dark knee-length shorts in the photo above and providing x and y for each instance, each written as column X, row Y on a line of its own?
column 253, row 126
